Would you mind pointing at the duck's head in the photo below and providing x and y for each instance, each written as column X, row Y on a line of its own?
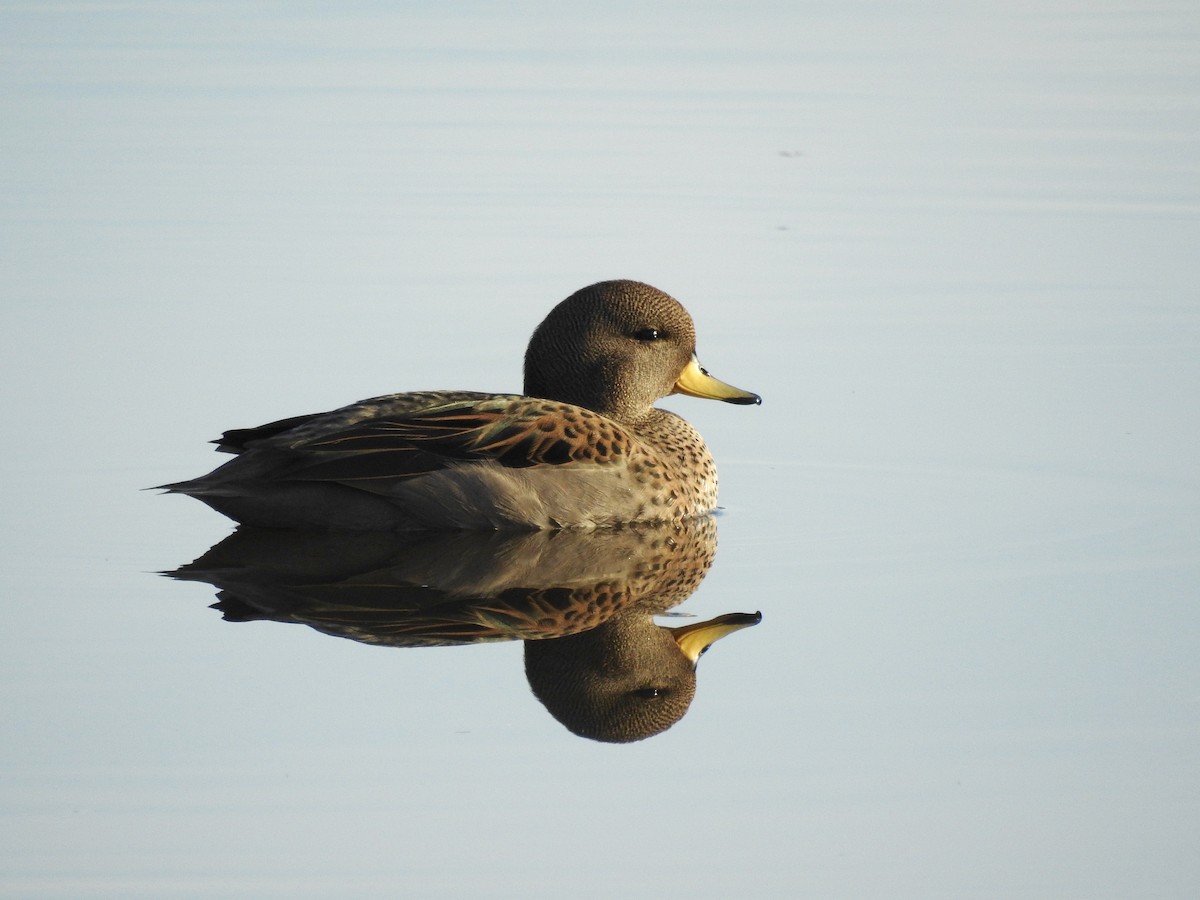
column 616, row 347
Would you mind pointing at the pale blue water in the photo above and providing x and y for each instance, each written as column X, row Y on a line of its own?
column 952, row 245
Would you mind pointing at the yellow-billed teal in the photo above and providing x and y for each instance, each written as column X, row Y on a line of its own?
column 583, row 447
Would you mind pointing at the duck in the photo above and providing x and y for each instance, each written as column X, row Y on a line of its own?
column 582, row 447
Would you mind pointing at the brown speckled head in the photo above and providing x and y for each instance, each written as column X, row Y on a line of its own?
column 614, row 347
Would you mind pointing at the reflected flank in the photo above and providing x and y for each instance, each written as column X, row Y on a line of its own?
column 583, row 603
column 584, row 447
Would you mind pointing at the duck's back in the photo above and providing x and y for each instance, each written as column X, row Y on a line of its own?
column 460, row 460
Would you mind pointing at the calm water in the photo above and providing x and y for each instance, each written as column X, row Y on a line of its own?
column 952, row 245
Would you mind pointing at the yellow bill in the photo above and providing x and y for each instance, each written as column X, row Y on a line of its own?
column 696, row 382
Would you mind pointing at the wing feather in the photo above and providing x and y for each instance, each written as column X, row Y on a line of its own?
column 515, row 434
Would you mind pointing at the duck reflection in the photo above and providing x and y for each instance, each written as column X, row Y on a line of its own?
column 582, row 601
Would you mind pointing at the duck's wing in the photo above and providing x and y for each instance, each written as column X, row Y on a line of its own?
column 237, row 440
column 285, row 431
column 515, row 432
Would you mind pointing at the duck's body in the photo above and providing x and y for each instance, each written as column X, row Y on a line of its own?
column 583, row 448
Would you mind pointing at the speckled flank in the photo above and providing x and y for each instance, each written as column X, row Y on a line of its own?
column 676, row 475
column 579, row 582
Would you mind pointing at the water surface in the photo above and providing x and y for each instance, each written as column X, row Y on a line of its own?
column 953, row 247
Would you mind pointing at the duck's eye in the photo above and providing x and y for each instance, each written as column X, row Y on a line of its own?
column 647, row 334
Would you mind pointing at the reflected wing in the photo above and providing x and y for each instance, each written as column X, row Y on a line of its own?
column 519, row 614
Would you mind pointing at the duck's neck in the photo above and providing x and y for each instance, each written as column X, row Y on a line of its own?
column 603, row 387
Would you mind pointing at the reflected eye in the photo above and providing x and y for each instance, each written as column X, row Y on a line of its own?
column 649, row 693
column 647, row 335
